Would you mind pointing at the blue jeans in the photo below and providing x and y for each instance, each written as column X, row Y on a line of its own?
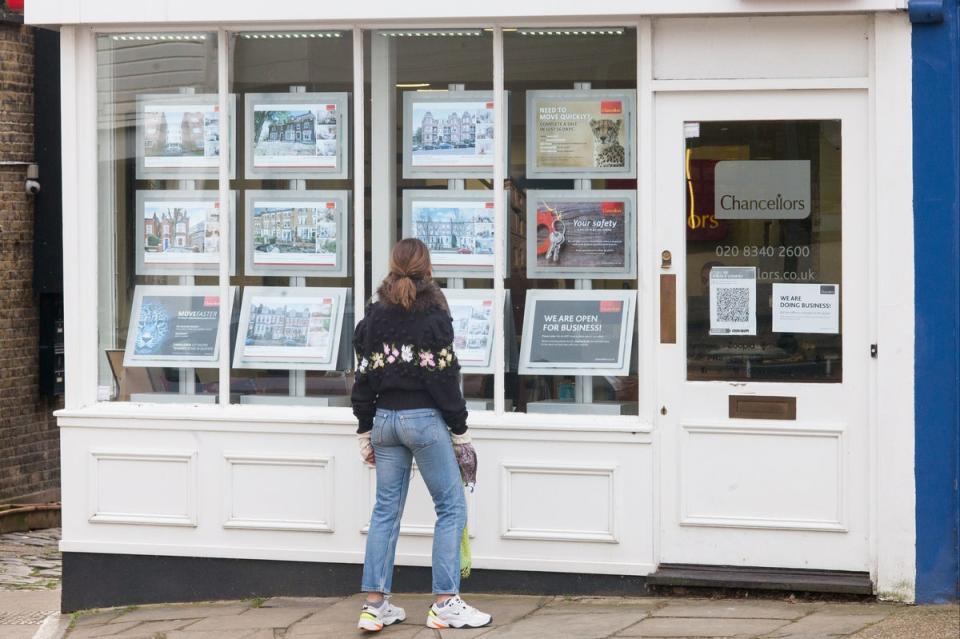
column 399, row 437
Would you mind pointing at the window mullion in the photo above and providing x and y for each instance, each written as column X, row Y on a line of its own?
column 500, row 230
column 359, row 179
column 226, row 247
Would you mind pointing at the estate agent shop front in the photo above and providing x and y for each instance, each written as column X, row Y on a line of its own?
column 671, row 244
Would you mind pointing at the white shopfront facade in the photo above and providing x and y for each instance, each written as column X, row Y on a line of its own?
column 767, row 449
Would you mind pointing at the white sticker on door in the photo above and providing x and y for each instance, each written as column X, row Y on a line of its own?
column 733, row 300
column 806, row 308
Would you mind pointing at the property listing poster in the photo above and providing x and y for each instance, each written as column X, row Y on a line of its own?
column 579, row 133
column 578, row 332
column 180, row 135
column 181, row 232
column 588, row 233
column 457, row 232
column 472, row 330
column 177, row 327
column 296, row 135
column 289, row 232
column 290, row 329
column 451, row 134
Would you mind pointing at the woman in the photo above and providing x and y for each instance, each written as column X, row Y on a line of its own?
column 408, row 401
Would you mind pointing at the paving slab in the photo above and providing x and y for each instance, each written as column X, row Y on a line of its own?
column 599, row 605
column 254, row 618
column 734, row 609
column 8, row 631
column 149, row 629
column 916, row 622
column 175, row 611
column 826, row 624
column 684, row 627
column 105, row 630
column 215, row 634
column 300, row 602
column 573, row 626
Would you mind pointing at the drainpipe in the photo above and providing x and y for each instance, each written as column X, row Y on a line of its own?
column 926, row 11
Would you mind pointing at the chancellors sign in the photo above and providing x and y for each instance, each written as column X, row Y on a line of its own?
column 762, row 190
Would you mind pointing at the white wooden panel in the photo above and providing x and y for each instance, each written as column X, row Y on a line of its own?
column 761, row 47
column 142, row 487
column 762, row 478
column 180, row 11
column 559, row 502
column 279, row 492
column 419, row 516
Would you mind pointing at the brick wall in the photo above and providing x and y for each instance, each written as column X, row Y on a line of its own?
column 29, row 441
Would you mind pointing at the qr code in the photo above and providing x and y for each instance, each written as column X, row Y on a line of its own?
column 733, row 305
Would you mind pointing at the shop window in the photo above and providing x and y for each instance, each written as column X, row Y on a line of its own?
column 432, row 157
column 572, row 220
column 159, row 215
column 763, row 222
column 295, row 246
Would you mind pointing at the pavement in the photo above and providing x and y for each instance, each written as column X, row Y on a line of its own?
column 30, row 597
column 528, row 617
column 29, row 581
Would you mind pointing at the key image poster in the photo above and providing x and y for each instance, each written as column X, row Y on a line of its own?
column 589, row 133
column 581, row 236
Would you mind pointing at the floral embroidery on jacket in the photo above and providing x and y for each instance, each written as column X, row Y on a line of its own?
column 407, row 353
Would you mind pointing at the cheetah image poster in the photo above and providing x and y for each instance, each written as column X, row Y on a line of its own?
column 580, row 134
column 733, row 300
column 173, row 326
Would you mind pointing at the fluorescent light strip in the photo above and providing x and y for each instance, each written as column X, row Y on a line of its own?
column 573, row 32
column 158, row 37
column 287, row 35
column 443, row 33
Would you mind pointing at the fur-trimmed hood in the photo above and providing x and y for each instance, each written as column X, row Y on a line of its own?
column 429, row 295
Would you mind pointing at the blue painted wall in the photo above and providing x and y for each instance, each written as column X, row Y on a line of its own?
column 936, row 156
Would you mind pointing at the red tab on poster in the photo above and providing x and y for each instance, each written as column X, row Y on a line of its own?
column 331, row 107
column 216, row 205
column 489, row 105
column 488, row 302
column 609, row 107
column 610, row 306
column 488, row 205
column 211, row 300
column 331, row 205
column 611, row 208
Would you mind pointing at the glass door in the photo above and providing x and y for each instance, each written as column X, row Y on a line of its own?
column 762, row 222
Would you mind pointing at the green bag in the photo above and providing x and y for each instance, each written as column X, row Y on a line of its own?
column 466, row 561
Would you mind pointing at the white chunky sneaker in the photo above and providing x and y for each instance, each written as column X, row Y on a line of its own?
column 455, row 613
column 374, row 618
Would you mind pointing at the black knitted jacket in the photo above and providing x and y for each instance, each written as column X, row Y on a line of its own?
column 405, row 360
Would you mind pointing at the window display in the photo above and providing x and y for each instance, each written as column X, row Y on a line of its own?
column 297, row 233
column 178, row 136
column 581, row 234
column 577, row 332
column 290, row 327
column 581, row 133
column 178, row 232
column 174, row 326
column 296, row 135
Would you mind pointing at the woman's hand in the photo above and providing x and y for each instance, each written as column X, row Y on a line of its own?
column 466, row 458
column 366, row 448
